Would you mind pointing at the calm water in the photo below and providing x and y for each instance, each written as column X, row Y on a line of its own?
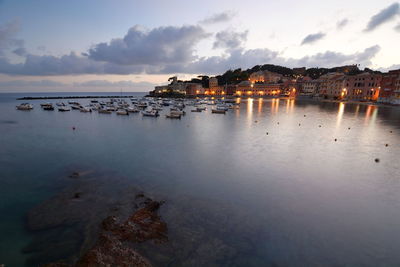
column 292, row 197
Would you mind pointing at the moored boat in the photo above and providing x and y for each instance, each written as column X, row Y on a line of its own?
column 173, row 116
column 150, row 113
column 64, row 108
column 218, row 111
column 24, row 106
column 122, row 112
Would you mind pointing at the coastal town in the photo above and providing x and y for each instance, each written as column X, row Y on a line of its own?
column 340, row 83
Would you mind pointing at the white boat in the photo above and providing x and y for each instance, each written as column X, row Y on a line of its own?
column 25, row 106
column 60, row 104
column 150, row 113
column 64, row 108
column 132, row 109
column 142, row 105
column 85, row 109
column 173, row 116
column 75, row 106
column 122, row 112
column 222, row 107
column 178, row 112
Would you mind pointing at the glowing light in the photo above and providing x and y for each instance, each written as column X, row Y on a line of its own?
column 222, row 93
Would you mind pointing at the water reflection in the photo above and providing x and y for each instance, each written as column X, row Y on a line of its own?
column 370, row 114
column 260, row 105
column 340, row 115
column 250, row 109
column 275, row 105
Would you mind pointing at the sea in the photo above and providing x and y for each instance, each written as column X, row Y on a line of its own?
column 276, row 182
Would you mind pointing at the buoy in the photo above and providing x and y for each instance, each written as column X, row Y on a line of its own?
column 255, row 121
column 377, row 160
column 386, row 144
column 319, row 126
column 304, row 115
column 278, row 123
column 349, row 128
column 266, row 133
column 391, row 131
column 73, row 128
column 335, row 139
column 299, row 124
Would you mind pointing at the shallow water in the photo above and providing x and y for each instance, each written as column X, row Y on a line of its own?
column 292, row 197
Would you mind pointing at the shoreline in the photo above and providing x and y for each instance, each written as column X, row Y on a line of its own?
column 241, row 97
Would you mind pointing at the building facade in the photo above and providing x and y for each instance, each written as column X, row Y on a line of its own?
column 363, row 87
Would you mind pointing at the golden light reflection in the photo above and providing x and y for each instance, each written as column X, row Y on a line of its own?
column 260, row 104
column 249, row 108
column 275, row 105
column 340, row 114
column 370, row 114
column 287, row 106
column 357, row 110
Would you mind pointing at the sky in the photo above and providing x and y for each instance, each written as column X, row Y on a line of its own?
column 133, row 45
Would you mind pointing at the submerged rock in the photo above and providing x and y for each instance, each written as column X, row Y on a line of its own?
column 94, row 221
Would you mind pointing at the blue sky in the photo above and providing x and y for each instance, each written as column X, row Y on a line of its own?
column 105, row 45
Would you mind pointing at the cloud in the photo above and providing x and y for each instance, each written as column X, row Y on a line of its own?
column 397, row 27
column 331, row 59
column 241, row 58
column 218, row 18
column 118, row 84
column 234, row 58
column 21, row 51
column 163, row 45
column 312, row 38
column 342, row 23
column 93, row 85
column 383, row 16
column 229, row 40
column 7, row 36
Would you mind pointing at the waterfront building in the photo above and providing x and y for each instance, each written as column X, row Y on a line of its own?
column 389, row 84
column 310, row 88
column 193, row 89
column 363, row 87
column 265, row 77
column 247, row 88
column 214, row 88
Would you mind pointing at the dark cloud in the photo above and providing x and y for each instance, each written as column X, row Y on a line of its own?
column 312, row 38
column 163, row 45
column 383, row 16
column 235, row 58
column 21, row 51
column 67, row 65
column 49, row 85
column 342, row 23
column 331, row 59
column 241, row 58
column 218, row 18
column 230, row 40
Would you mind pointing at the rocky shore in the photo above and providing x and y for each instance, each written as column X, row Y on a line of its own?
column 90, row 224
